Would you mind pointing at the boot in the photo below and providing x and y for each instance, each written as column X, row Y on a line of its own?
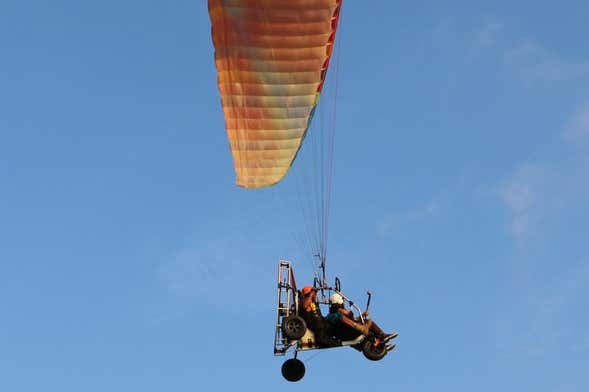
column 390, row 336
column 392, row 346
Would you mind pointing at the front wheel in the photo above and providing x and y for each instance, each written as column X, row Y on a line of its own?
column 374, row 351
column 294, row 327
column 293, row 370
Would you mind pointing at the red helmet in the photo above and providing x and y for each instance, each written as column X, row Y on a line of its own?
column 307, row 290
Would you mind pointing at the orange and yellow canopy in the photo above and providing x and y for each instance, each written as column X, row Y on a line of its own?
column 272, row 57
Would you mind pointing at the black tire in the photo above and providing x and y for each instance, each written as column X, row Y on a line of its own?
column 374, row 352
column 293, row 370
column 293, row 327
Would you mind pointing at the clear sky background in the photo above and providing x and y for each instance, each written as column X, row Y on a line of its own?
column 129, row 260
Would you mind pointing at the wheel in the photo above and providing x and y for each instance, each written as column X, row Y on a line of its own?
column 293, row 370
column 372, row 351
column 293, row 327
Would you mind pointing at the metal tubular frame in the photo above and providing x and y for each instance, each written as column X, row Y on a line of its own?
column 287, row 304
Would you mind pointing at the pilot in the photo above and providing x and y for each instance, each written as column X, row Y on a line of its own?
column 311, row 313
column 347, row 327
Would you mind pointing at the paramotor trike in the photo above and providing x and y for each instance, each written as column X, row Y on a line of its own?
column 292, row 330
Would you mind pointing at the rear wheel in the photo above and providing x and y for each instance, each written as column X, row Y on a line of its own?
column 293, row 370
column 373, row 350
column 293, row 327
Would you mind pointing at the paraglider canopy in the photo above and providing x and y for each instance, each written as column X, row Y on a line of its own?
column 272, row 58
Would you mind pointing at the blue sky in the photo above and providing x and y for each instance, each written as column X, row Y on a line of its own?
column 129, row 260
